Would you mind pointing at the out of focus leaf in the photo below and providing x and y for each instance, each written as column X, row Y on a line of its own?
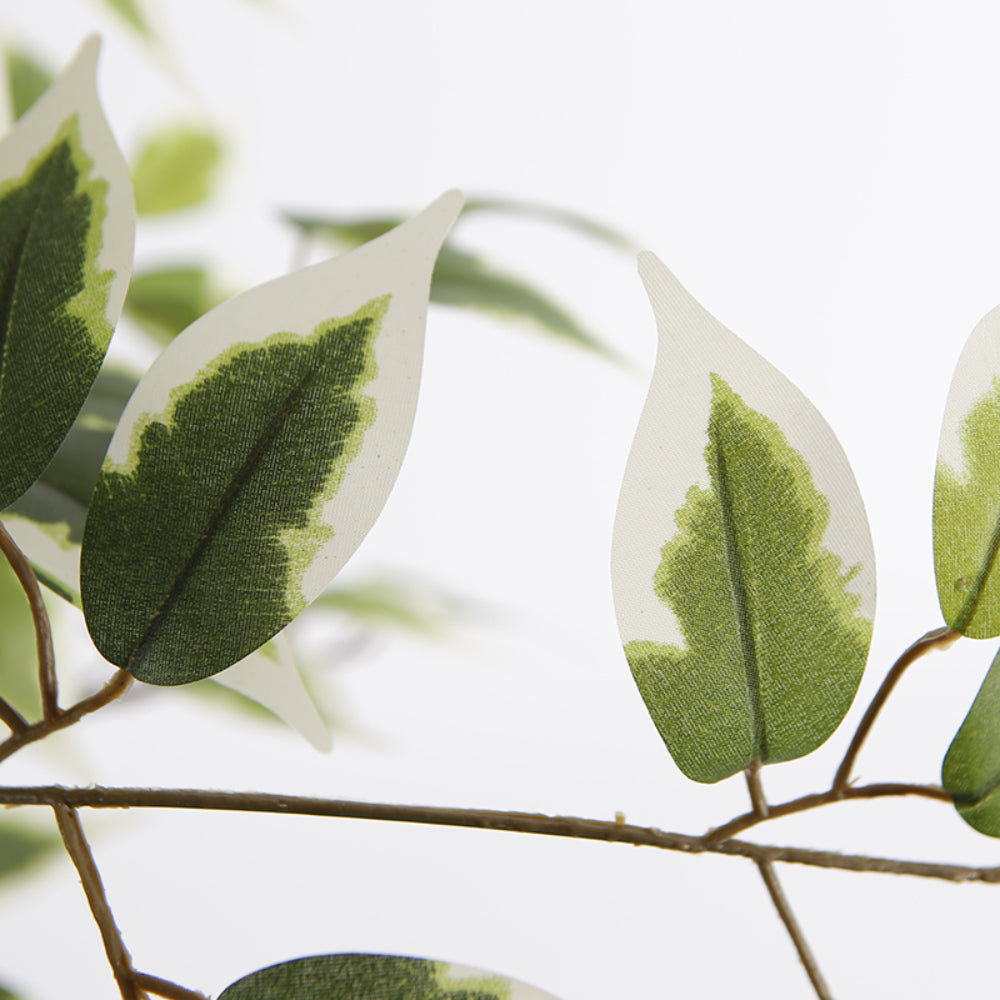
column 381, row 603
column 132, row 14
column 176, row 169
column 18, row 662
column 28, row 80
column 167, row 300
column 462, row 279
column 22, row 846
column 376, row 977
column 971, row 769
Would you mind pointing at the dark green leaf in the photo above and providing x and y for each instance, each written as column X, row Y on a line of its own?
column 967, row 490
column 461, row 279
column 22, row 846
column 748, row 639
column 62, row 223
column 176, row 169
column 375, row 977
column 168, row 300
column 971, row 770
column 28, row 80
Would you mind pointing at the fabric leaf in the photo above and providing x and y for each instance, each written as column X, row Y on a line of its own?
column 376, row 977
column 254, row 457
column 176, row 169
column 971, row 769
column 967, row 489
column 66, row 230
column 743, row 566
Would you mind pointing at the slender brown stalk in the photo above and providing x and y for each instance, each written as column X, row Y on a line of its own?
column 115, row 688
column 878, row 791
column 47, row 681
column 938, row 638
column 755, row 787
column 11, row 717
column 610, row 831
column 165, row 988
column 79, row 851
column 788, row 918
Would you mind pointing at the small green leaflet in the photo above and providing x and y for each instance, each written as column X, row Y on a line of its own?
column 254, row 457
column 742, row 562
column 66, row 229
column 27, row 78
column 967, row 489
column 971, row 769
column 176, row 169
column 376, row 977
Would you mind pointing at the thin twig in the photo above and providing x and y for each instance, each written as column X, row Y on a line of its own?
column 165, row 988
column 11, row 717
column 79, row 851
column 806, row 956
column 115, row 688
column 610, row 831
column 938, row 638
column 47, row 681
column 756, row 789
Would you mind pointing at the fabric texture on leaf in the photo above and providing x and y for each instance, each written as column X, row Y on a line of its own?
column 254, row 456
column 375, row 977
column 967, row 489
column 971, row 769
column 745, row 608
column 65, row 254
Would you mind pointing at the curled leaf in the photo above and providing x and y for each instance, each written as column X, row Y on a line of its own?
column 743, row 567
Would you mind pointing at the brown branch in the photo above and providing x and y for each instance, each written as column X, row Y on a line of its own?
column 11, row 717
column 79, row 851
column 610, row 831
column 878, row 791
column 756, row 789
column 47, row 681
column 115, row 688
column 794, row 931
column 165, row 988
column 938, row 638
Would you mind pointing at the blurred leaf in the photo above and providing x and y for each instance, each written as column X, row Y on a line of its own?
column 176, row 169
column 22, row 846
column 28, row 80
column 745, row 633
column 66, row 230
column 132, row 14
column 376, row 977
column 381, row 603
column 224, row 506
column 967, row 489
column 170, row 299
column 18, row 658
column 971, row 769
column 5, row 994
column 462, row 279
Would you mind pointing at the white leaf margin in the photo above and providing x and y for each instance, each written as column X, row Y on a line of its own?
column 667, row 454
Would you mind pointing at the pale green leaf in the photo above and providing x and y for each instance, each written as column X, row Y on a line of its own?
column 971, row 770
column 176, row 169
column 27, row 78
column 169, row 299
column 254, row 457
column 383, row 603
column 23, row 846
column 464, row 280
column 66, row 225
column 131, row 12
column 967, row 489
column 743, row 566
column 376, row 977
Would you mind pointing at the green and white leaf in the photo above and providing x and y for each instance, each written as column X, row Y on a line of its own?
column 254, row 457
column 971, row 769
column 376, row 977
column 743, row 567
column 967, row 489
column 66, row 231
column 176, row 169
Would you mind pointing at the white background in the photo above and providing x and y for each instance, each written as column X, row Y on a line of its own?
column 824, row 178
